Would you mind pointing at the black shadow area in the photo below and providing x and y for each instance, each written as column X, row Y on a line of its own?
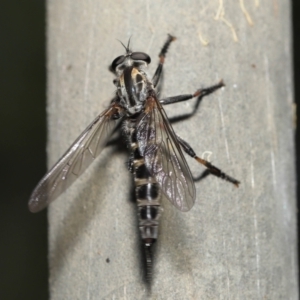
column 23, row 236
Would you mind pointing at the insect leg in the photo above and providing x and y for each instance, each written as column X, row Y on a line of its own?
column 211, row 168
column 199, row 93
column 162, row 56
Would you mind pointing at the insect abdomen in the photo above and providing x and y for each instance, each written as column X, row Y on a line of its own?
column 148, row 200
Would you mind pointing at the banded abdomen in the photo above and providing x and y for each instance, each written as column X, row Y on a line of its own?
column 148, row 197
column 148, row 200
column 147, row 190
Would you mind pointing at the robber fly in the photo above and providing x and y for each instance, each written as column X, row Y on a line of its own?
column 156, row 160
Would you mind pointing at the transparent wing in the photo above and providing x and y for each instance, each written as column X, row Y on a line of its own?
column 76, row 159
column 163, row 156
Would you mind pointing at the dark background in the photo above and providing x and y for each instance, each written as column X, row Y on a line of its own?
column 23, row 236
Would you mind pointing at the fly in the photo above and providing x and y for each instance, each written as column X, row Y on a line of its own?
column 156, row 159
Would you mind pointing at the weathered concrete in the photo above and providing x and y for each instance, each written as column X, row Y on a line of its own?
column 234, row 243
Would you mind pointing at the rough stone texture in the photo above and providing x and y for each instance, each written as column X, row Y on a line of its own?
column 234, row 243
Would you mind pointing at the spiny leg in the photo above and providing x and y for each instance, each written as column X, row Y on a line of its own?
column 199, row 93
column 162, row 56
column 211, row 168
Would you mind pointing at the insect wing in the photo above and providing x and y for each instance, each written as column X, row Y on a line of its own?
column 76, row 159
column 163, row 157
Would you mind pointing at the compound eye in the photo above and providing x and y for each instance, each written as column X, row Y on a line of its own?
column 117, row 61
column 141, row 56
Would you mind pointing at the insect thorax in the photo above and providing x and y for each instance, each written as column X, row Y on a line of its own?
column 133, row 89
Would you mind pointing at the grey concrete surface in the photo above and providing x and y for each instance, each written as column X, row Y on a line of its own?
column 234, row 243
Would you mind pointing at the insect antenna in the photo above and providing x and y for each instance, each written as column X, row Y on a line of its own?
column 126, row 48
column 128, row 43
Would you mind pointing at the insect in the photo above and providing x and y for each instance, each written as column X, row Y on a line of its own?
column 156, row 159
